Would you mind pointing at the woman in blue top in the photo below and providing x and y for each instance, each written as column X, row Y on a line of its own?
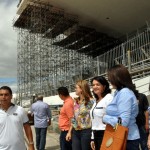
column 124, row 104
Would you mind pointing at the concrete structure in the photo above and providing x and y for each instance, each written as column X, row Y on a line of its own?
column 113, row 17
column 60, row 42
column 142, row 85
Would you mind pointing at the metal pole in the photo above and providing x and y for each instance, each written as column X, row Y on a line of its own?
column 20, row 99
column 129, row 60
column 81, row 72
column 123, row 50
column 98, row 71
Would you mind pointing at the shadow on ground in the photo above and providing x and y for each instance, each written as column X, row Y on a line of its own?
column 57, row 147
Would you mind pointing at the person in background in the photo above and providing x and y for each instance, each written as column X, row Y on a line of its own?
column 42, row 119
column 142, row 120
column 13, row 120
column 81, row 123
column 66, row 114
column 103, row 97
column 123, row 105
column 148, row 141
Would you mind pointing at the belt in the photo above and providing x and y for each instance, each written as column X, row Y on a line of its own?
column 98, row 131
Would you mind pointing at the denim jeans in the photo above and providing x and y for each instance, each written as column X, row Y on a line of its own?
column 133, row 144
column 81, row 139
column 143, row 138
column 65, row 145
column 40, row 138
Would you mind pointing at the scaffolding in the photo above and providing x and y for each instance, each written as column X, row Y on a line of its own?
column 133, row 53
column 54, row 49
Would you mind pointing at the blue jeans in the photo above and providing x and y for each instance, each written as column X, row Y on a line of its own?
column 65, row 145
column 40, row 138
column 133, row 144
column 81, row 139
column 143, row 138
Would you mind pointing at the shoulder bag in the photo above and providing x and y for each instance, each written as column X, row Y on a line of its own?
column 115, row 138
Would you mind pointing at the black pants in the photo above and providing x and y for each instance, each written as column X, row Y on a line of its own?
column 98, row 137
column 143, row 138
column 65, row 145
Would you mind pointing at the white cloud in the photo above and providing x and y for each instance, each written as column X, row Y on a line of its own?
column 8, row 40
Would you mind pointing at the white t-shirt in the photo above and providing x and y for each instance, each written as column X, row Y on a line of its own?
column 97, row 112
column 11, row 128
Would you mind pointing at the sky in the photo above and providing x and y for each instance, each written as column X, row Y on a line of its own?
column 8, row 44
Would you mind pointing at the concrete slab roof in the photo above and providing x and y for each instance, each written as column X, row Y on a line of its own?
column 113, row 17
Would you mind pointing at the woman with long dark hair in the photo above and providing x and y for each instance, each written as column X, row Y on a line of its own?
column 103, row 97
column 124, row 104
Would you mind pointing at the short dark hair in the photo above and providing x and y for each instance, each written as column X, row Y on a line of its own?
column 6, row 88
column 40, row 97
column 105, row 83
column 63, row 91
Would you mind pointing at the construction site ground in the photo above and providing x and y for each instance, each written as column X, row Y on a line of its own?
column 52, row 140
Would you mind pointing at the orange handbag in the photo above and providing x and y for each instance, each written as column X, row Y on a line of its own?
column 115, row 138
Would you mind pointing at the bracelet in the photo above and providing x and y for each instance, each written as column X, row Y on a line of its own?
column 30, row 143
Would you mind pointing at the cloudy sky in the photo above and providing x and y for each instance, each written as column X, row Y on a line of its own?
column 8, row 43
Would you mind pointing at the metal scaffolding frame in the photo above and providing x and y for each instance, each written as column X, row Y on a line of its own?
column 53, row 49
column 134, row 54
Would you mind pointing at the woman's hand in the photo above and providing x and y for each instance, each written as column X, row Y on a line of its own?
column 148, row 142
column 92, row 145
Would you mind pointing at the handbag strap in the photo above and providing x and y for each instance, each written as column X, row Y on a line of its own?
column 119, row 121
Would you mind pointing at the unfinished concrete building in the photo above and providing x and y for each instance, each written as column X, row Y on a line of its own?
column 58, row 45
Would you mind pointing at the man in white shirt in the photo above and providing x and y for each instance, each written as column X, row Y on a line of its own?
column 12, row 121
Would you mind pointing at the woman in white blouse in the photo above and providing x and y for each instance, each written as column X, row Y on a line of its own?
column 103, row 97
